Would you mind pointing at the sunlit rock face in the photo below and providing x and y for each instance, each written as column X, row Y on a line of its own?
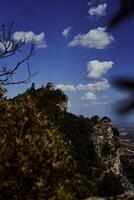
column 62, row 105
column 106, row 146
column 106, row 155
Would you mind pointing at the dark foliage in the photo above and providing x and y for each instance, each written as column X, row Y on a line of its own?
column 125, row 11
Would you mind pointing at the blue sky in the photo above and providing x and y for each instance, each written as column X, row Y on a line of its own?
column 81, row 60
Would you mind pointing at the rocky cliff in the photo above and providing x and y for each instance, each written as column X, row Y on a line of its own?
column 106, row 145
column 106, row 156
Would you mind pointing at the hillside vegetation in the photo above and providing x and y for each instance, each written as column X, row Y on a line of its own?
column 47, row 153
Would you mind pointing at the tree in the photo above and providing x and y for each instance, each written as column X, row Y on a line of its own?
column 10, row 48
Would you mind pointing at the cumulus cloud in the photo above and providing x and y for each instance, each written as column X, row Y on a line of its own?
column 96, row 38
column 94, row 103
column 96, row 69
column 91, row 87
column 66, row 88
column 6, row 46
column 67, row 31
column 98, row 11
column 98, row 86
column 28, row 37
column 89, row 96
column 101, row 102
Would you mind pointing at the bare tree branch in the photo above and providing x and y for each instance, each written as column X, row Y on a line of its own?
column 10, row 47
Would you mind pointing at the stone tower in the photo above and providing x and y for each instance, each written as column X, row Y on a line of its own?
column 49, row 86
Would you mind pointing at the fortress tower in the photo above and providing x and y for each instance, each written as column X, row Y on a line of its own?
column 49, row 86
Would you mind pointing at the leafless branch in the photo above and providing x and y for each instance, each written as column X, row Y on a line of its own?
column 8, row 48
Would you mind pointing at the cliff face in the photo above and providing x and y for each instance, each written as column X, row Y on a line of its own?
column 62, row 105
column 96, row 146
column 106, row 147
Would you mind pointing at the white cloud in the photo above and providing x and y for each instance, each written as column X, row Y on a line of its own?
column 28, row 37
column 96, row 68
column 98, row 86
column 2, row 46
column 98, row 11
column 7, row 46
column 90, row 87
column 101, row 102
column 94, row 103
column 66, row 88
column 66, row 31
column 96, row 38
column 89, row 96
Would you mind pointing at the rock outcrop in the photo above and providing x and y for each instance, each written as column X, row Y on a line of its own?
column 106, row 148
column 106, row 145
